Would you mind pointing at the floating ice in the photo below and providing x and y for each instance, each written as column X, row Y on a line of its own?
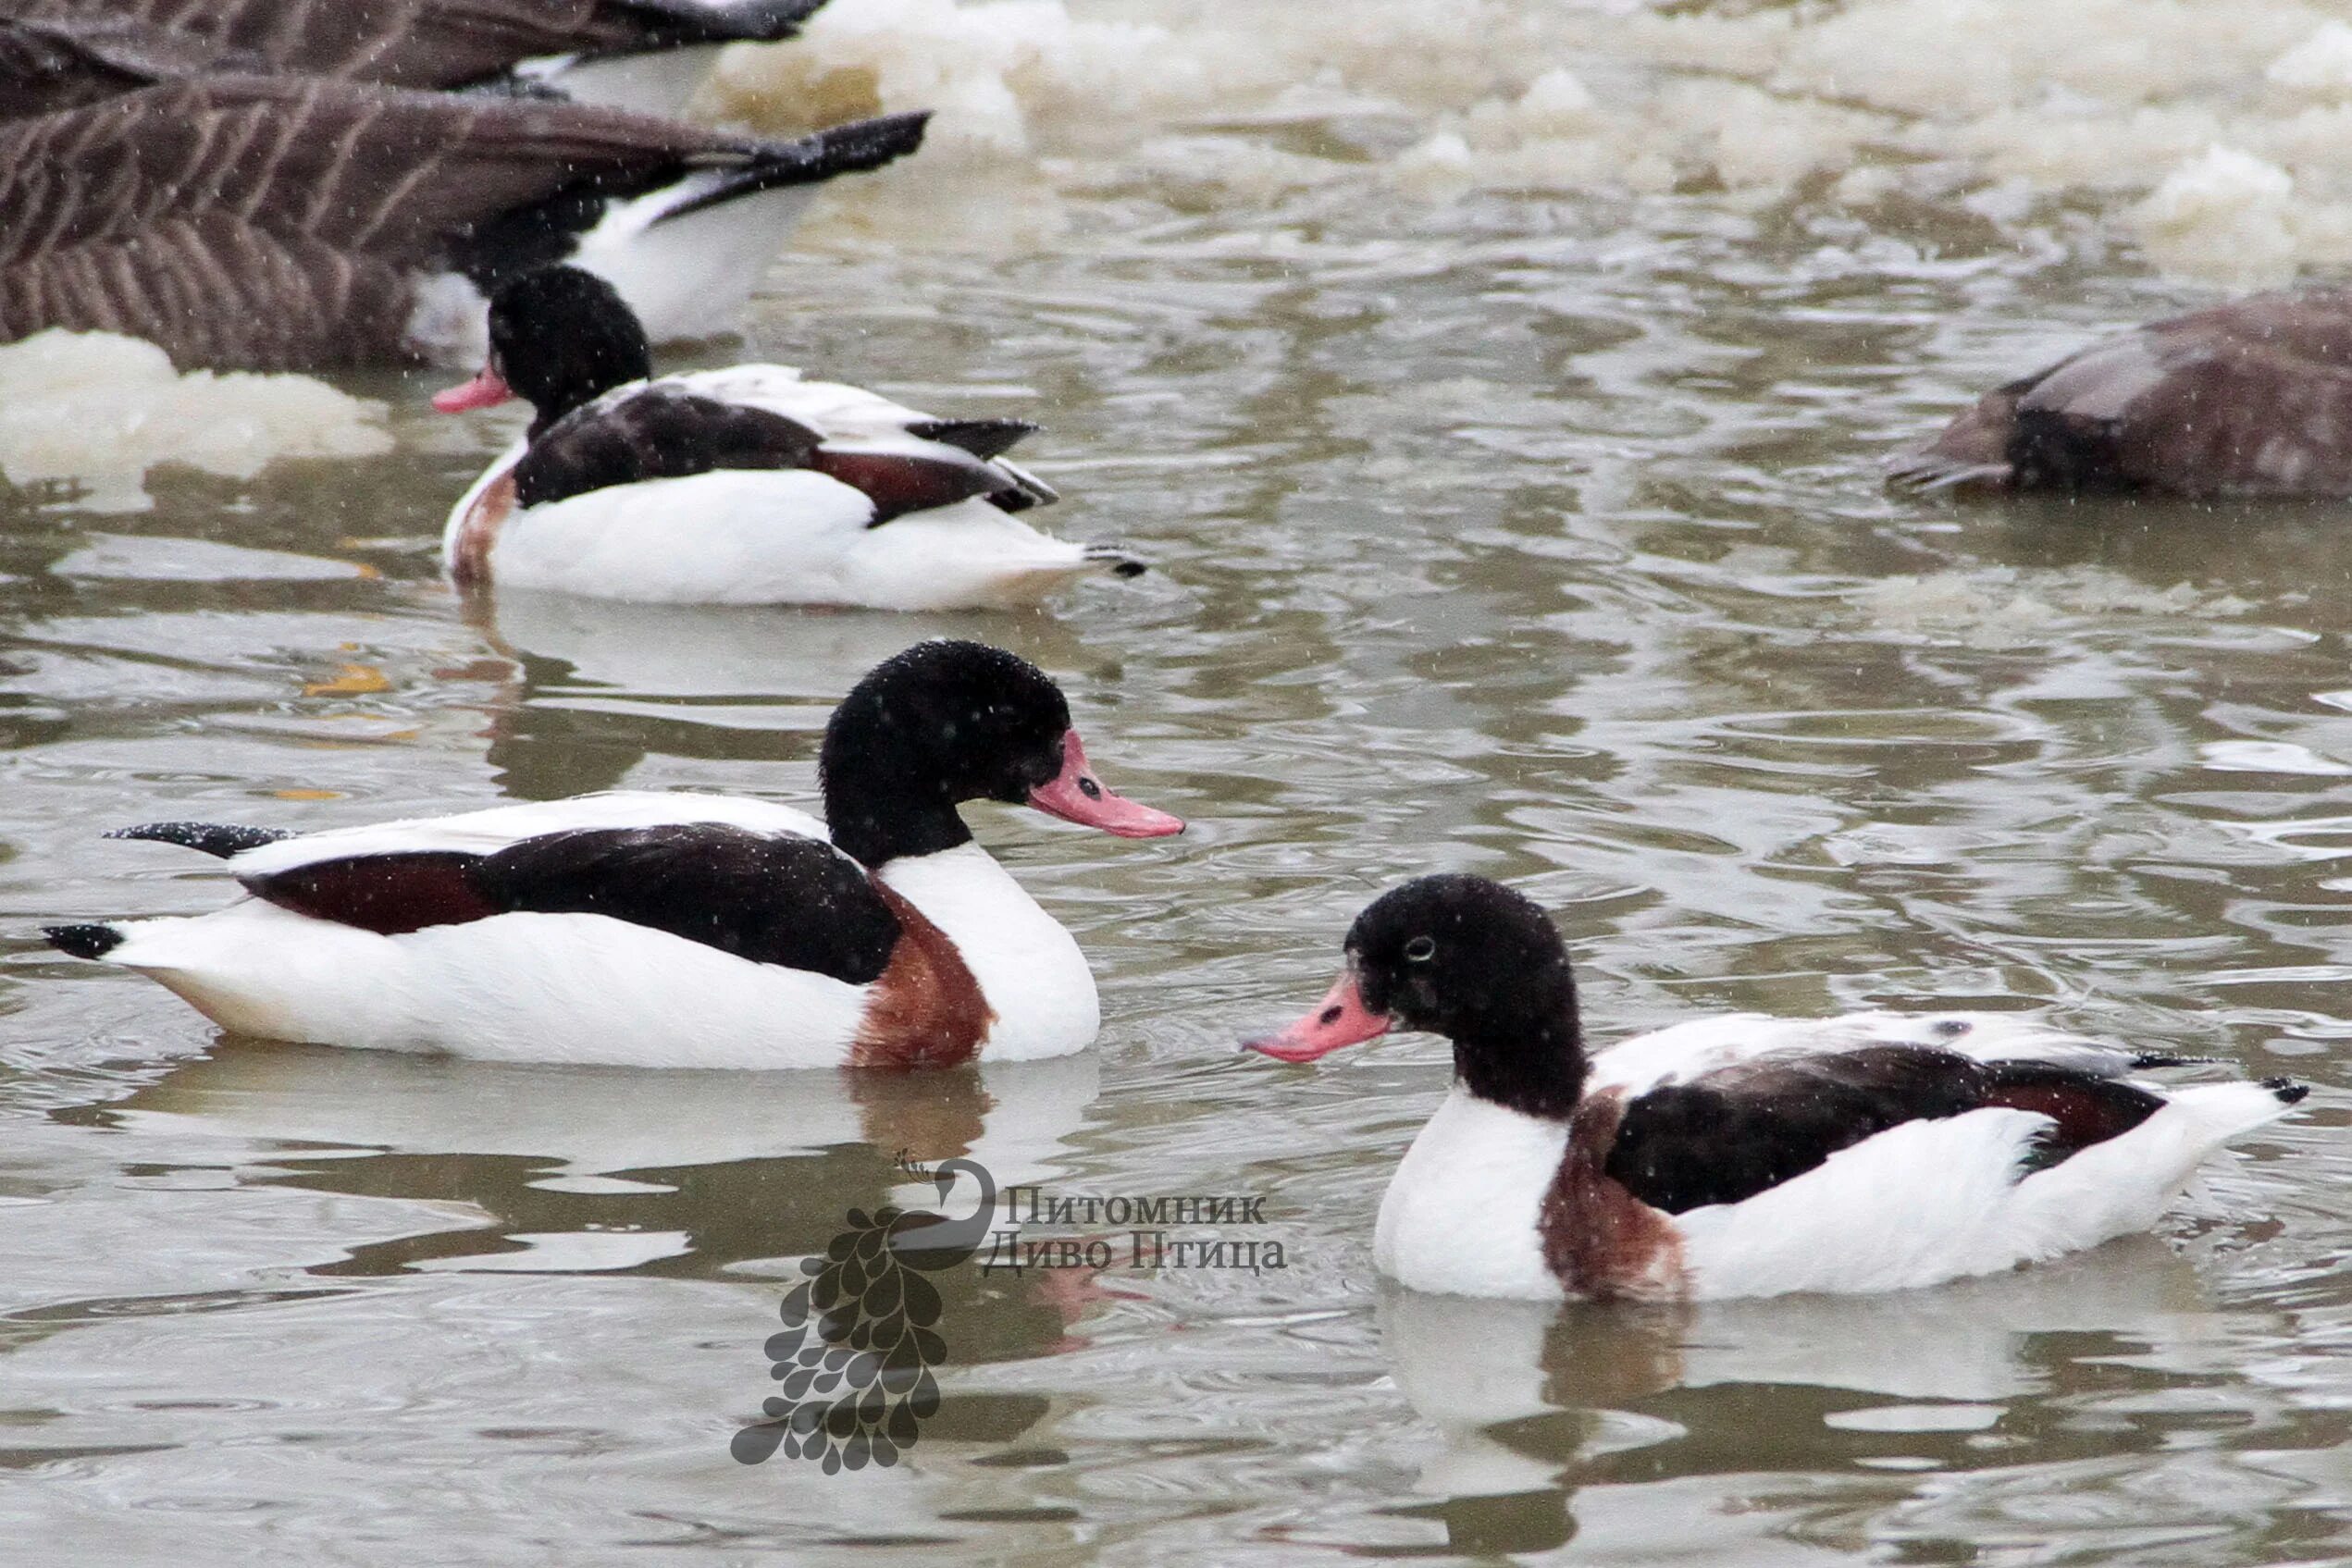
column 2111, row 103
column 99, row 410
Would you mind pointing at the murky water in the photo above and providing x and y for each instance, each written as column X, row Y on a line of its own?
column 1534, row 534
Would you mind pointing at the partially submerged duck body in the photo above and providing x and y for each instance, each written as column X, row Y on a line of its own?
column 2251, row 398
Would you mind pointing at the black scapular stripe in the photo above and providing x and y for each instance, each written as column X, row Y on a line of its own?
column 657, row 432
column 795, row 902
column 1728, row 1135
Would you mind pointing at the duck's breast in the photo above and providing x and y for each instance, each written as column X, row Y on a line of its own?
column 1463, row 1214
column 1032, row 976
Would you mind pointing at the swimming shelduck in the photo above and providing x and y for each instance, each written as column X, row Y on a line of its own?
column 2250, row 398
column 661, row 929
column 1740, row 1156
column 743, row 486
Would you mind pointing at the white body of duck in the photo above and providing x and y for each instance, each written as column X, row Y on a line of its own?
column 772, row 535
column 750, row 485
column 1922, row 1202
column 1742, row 1155
column 587, row 988
column 675, row 929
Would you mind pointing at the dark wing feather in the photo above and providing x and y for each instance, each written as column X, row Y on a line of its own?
column 48, row 65
column 655, row 432
column 424, row 44
column 1728, row 1135
column 223, row 839
column 389, row 894
column 897, row 483
column 981, row 438
column 795, row 902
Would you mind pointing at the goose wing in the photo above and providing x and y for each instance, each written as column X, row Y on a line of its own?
column 276, row 223
column 419, row 44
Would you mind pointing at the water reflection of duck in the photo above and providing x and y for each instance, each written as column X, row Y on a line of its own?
column 675, row 929
column 1740, row 1156
column 1533, row 1401
column 713, row 1169
column 600, row 684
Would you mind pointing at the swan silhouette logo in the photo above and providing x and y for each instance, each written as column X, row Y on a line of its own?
column 860, row 1336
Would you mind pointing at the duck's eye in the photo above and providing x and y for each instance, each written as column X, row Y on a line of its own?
column 1421, row 949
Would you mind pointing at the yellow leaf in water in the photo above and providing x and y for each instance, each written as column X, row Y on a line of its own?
column 307, row 794
column 352, row 680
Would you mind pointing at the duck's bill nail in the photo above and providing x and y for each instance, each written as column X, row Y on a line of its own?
column 1076, row 794
column 485, row 391
column 1340, row 1018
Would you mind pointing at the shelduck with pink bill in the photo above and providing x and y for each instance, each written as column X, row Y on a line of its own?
column 678, row 929
column 743, row 486
column 1740, row 1155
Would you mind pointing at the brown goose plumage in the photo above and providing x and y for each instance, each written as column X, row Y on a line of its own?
column 271, row 222
column 96, row 47
column 2250, row 398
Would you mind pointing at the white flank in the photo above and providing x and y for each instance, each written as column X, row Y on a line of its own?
column 1932, row 1200
column 1460, row 1216
column 742, row 536
column 516, row 988
column 1030, row 969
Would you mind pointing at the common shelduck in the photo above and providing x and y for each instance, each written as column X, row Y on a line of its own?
column 644, row 56
column 743, row 486
column 2250, row 398
column 1742, row 1155
column 274, row 223
column 658, row 930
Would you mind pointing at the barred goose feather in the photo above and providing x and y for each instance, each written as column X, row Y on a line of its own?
column 266, row 223
column 646, row 56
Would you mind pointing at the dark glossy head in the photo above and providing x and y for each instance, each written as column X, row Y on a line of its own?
column 1469, row 959
column 948, row 721
column 558, row 338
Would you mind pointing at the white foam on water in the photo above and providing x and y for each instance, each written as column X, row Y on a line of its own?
column 2217, row 133
column 2010, row 607
column 99, row 410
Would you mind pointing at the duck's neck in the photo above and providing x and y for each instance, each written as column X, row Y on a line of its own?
column 549, row 408
column 876, row 818
column 1532, row 1062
